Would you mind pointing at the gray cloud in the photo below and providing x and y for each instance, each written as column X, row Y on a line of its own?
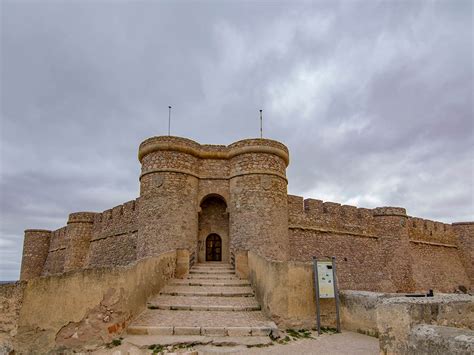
column 373, row 98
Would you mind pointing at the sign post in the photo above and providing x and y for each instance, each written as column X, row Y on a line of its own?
column 316, row 287
column 325, row 283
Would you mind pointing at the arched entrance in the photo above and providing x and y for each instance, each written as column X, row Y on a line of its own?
column 213, row 235
column 213, row 248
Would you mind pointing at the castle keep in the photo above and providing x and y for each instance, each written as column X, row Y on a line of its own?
column 215, row 246
column 217, row 201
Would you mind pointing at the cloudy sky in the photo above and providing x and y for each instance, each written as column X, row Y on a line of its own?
column 374, row 100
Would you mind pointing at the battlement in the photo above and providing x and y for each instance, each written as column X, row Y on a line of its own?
column 116, row 221
column 81, row 217
column 420, row 229
column 208, row 151
column 330, row 215
column 316, row 213
column 58, row 239
column 390, row 211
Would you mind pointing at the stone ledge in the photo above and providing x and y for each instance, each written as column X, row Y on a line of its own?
column 335, row 231
column 115, row 235
column 433, row 243
column 201, row 177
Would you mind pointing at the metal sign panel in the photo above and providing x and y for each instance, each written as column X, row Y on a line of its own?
column 326, row 279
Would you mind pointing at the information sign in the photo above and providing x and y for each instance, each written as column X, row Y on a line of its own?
column 325, row 284
column 326, row 279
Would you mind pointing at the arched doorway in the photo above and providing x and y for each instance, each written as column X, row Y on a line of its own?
column 213, row 248
column 213, row 230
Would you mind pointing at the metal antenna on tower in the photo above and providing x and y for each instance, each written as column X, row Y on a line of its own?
column 169, row 120
column 261, row 124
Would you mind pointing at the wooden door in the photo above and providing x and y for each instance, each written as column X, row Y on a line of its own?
column 213, row 248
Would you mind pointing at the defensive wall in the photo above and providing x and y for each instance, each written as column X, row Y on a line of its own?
column 382, row 249
column 189, row 190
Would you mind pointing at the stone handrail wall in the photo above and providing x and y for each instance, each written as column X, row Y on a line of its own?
column 95, row 305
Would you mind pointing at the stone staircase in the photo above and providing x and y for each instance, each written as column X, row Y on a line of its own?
column 210, row 302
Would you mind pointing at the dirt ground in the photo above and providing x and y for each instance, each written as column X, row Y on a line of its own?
column 327, row 344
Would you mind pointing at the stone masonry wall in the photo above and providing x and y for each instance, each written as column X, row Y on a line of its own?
column 465, row 233
column 114, row 236
column 11, row 300
column 377, row 250
column 57, row 253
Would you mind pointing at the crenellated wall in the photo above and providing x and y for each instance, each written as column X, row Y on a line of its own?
column 325, row 229
column 114, row 236
column 101, row 239
column 379, row 249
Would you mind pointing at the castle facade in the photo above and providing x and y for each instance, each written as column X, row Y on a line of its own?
column 218, row 201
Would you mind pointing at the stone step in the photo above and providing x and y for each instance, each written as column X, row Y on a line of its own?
column 145, row 341
column 213, row 266
column 194, row 303
column 207, row 323
column 209, row 282
column 223, row 291
column 212, row 277
column 208, row 271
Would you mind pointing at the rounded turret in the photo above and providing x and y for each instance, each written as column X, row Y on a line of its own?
column 78, row 235
column 35, row 252
column 258, row 197
column 168, row 195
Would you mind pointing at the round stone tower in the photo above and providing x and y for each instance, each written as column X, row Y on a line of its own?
column 169, row 180
column 35, row 252
column 78, row 234
column 258, row 197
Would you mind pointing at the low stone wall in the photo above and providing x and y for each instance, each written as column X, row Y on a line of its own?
column 83, row 309
column 396, row 317
column 285, row 291
column 434, row 339
column 359, row 311
column 11, row 299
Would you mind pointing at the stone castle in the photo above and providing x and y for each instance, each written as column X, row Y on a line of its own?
column 216, row 201
column 216, row 221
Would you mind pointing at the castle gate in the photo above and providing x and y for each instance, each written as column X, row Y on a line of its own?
column 213, row 234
